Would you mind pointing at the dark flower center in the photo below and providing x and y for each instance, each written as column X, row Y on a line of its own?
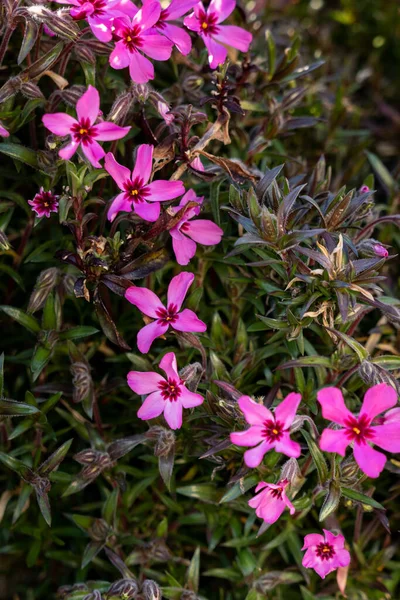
column 83, row 131
column 170, row 390
column 208, row 23
column 359, row 430
column 135, row 191
column 272, row 431
column 167, row 316
column 46, row 200
column 277, row 493
column 184, row 227
column 325, row 551
column 163, row 17
column 132, row 38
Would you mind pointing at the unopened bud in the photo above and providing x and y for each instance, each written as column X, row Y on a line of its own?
column 291, row 472
column 364, row 189
column 99, row 530
column 121, row 108
column 373, row 374
column 165, row 443
column 81, row 380
column 191, row 375
column 372, row 249
column 150, row 590
column 31, row 90
column 124, row 588
column 84, row 54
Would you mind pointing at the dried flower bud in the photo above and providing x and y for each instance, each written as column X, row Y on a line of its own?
column 31, row 90
column 191, row 375
column 81, row 380
column 124, row 588
column 45, row 283
column 373, row 374
column 95, row 595
column 99, row 530
column 349, row 471
column 89, row 457
column 165, row 443
column 59, row 22
column 150, row 590
column 121, row 108
column 291, row 471
column 84, row 54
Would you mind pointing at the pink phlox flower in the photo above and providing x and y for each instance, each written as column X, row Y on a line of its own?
column 165, row 316
column 325, row 553
column 136, row 37
column 99, row 14
column 359, row 430
column 137, row 193
column 270, row 503
column 84, row 131
column 186, row 234
column 268, row 430
column 3, row 131
column 207, row 23
column 44, row 203
column 166, row 395
column 178, row 36
column 380, row 250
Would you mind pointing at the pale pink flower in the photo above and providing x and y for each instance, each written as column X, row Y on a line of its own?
column 207, row 24
column 380, row 250
column 138, row 38
column 185, row 234
column 268, row 430
column 325, row 553
column 137, row 194
column 165, row 317
column 44, row 203
column 84, row 131
column 3, row 131
column 358, row 430
column 99, row 14
column 166, row 395
column 271, row 501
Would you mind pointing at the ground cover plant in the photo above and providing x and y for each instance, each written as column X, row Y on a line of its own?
column 200, row 309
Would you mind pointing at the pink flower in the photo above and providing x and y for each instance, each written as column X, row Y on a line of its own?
column 268, row 430
column 167, row 395
column 137, row 193
column 359, row 430
column 3, row 131
column 325, row 553
column 98, row 13
column 137, row 38
column 380, row 250
column 44, row 203
column 84, row 130
column 151, row 305
column 272, row 501
column 185, row 234
column 364, row 189
column 207, row 24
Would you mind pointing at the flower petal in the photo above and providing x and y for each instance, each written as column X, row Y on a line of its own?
column 204, row 232
column 178, row 288
column 287, row 446
column 249, row 437
column 144, row 382
column 119, row 204
column 192, row 22
column 165, row 190
column 106, row 131
column 88, row 105
column 183, row 247
column 370, row 461
column 93, row 152
column 392, row 416
column 69, row 150
column 237, row 37
column 178, row 8
column 271, row 510
column 387, row 436
column 343, row 557
column 173, row 414
column 179, row 37
column 119, row 57
column 285, row 412
column 312, row 539
column 148, row 15
column 59, row 123
column 144, row 163
column 253, row 457
column 169, row 365
column 378, row 399
column 152, row 407
column 148, row 212
column 119, row 173
column 148, row 334
column 145, row 300
column 216, row 53
column 254, row 412
column 190, row 399
column 333, row 406
column 157, row 47
column 187, row 320
column 101, row 28
column 334, row 440
column 222, row 8
column 140, row 68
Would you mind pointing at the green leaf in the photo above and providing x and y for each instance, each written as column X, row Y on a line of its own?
column 239, row 488
column 331, row 501
column 359, row 497
column 78, row 332
column 193, row 574
column 202, row 491
column 381, row 171
column 40, row 358
column 110, row 507
column 317, row 456
column 1, row 374
column 22, row 318
column 54, row 460
column 16, row 465
column 11, row 408
column 30, row 35
column 361, row 352
column 20, row 153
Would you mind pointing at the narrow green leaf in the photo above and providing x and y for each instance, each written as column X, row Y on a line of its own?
column 317, row 456
column 22, row 318
column 359, row 497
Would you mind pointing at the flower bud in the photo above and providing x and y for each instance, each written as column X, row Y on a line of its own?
column 31, row 90
column 191, row 375
column 364, row 189
column 150, row 590
column 81, row 380
column 84, row 54
column 124, row 588
column 99, row 530
column 372, row 249
column 121, row 107
column 165, row 443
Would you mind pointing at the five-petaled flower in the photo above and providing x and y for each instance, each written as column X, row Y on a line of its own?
column 98, row 13
column 207, row 24
column 137, row 194
column 325, row 553
column 359, row 430
column 84, row 131
column 44, row 203
column 165, row 317
column 167, row 395
column 271, row 501
column 268, row 430
column 137, row 37
column 185, row 234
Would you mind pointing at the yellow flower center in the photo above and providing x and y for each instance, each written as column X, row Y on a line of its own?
column 82, row 131
column 134, row 193
column 204, row 25
column 356, row 430
column 275, row 431
column 129, row 39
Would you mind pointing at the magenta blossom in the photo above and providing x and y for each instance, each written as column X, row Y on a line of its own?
column 44, row 203
column 137, row 194
column 268, row 430
column 380, row 250
column 84, row 131
column 358, row 430
column 3, row 131
column 167, row 395
column 98, row 13
column 172, row 315
column 136, row 38
column 185, row 234
column 207, row 24
column 325, row 553
column 364, row 189
column 272, row 501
